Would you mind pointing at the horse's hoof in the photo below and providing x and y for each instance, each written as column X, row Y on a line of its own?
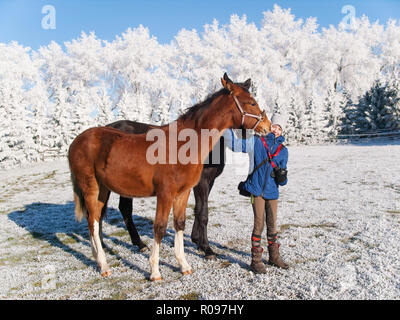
column 185, row 273
column 106, row 274
column 154, row 279
column 210, row 256
column 144, row 249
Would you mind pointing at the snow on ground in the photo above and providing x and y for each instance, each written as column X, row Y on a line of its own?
column 339, row 221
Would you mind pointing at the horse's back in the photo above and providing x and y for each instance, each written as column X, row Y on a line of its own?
column 90, row 141
column 117, row 159
column 129, row 126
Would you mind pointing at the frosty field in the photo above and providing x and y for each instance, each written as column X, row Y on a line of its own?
column 339, row 219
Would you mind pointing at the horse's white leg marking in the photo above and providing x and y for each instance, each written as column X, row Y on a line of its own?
column 101, row 256
column 154, row 258
column 180, row 254
column 93, row 246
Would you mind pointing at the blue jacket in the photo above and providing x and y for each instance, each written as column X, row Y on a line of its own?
column 261, row 183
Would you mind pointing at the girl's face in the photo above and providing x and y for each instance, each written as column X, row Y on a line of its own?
column 276, row 130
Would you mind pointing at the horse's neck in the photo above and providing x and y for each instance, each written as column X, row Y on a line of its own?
column 210, row 125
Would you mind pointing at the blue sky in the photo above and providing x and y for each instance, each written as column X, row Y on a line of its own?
column 21, row 20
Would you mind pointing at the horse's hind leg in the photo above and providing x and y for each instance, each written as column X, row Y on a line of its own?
column 180, row 203
column 125, row 206
column 94, row 203
column 102, row 216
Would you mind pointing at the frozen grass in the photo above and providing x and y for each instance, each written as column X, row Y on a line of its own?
column 339, row 222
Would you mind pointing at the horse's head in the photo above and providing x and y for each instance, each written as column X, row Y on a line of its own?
column 248, row 114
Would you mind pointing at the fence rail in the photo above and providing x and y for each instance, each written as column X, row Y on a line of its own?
column 378, row 134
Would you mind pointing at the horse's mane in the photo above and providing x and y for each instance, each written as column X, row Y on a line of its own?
column 196, row 110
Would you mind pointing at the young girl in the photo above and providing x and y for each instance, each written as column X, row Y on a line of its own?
column 263, row 187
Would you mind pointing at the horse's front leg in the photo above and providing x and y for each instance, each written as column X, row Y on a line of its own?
column 125, row 206
column 198, row 208
column 199, row 231
column 164, row 204
column 180, row 204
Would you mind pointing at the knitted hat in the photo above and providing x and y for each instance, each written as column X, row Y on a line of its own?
column 278, row 119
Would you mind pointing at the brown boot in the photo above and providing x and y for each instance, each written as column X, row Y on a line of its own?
column 274, row 256
column 257, row 266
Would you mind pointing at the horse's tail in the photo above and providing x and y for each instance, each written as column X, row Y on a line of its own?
column 80, row 207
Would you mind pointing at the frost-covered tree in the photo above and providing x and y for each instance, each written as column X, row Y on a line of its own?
column 332, row 114
column 21, row 104
column 338, row 80
column 54, row 64
column 349, row 116
column 378, row 109
column 349, row 62
column 86, row 71
column 311, row 124
column 134, row 63
column 389, row 51
column 104, row 113
column 294, row 127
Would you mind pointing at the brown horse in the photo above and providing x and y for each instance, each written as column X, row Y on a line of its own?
column 104, row 159
column 211, row 170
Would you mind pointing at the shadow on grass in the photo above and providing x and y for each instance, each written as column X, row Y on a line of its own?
column 56, row 224
column 144, row 226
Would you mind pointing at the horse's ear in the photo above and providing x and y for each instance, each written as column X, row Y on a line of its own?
column 226, row 82
column 226, row 78
column 247, row 84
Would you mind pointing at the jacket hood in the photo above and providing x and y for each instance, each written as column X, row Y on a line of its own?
column 270, row 137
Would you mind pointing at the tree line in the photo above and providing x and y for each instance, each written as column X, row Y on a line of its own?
column 327, row 81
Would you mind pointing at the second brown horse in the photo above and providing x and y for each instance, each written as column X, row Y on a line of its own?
column 105, row 159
